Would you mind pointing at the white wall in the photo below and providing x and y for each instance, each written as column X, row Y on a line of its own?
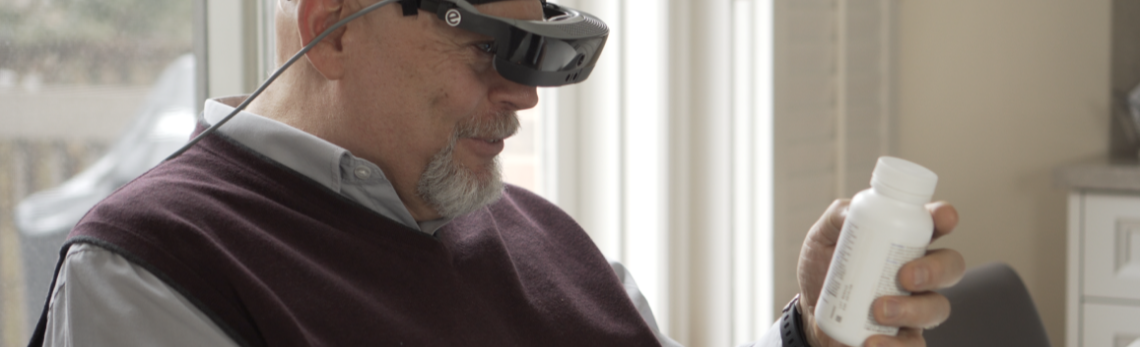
column 993, row 96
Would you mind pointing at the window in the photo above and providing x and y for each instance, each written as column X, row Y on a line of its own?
column 520, row 159
column 74, row 75
column 665, row 157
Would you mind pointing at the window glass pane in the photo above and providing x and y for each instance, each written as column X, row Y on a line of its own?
column 80, row 79
column 520, row 158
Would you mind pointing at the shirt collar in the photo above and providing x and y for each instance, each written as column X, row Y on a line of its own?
column 324, row 162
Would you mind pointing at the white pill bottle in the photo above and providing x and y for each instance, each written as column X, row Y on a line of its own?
column 886, row 227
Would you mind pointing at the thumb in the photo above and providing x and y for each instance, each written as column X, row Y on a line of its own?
column 825, row 232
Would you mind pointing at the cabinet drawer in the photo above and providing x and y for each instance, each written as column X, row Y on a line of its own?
column 1107, row 325
column 1111, row 251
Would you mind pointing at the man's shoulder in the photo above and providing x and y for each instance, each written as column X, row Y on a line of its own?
column 169, row 185
column 208, row 176
column 193, row 188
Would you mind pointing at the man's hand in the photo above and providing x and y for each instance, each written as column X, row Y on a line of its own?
column 923, row 309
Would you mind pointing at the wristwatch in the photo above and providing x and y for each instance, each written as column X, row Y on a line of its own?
column 791, row 325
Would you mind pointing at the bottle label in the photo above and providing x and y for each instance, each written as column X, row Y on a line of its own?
column 888, row 281
column 835, row 282
column 837, row 288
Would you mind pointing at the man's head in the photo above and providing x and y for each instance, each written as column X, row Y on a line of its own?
column 410, row 93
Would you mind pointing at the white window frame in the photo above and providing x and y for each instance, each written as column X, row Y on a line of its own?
column 233, row 45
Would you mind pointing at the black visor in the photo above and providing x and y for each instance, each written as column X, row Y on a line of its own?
column 561, row 49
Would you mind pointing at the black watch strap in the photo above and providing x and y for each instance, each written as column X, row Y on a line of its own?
column 791, row 325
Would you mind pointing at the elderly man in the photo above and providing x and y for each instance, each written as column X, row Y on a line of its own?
column 358, row 202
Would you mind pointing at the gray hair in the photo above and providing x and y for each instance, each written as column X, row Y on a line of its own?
column 453, row 190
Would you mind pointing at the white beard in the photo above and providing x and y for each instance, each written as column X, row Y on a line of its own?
column 453, row 190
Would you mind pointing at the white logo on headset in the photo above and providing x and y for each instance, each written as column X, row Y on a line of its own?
column 452, row 17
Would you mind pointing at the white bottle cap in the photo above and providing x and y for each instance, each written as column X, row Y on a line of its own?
column 904, row 180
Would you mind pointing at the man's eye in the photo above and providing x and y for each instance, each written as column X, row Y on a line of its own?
column 486, row 47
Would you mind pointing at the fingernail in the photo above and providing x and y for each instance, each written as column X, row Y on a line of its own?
column 921, row 276
column 890, row 309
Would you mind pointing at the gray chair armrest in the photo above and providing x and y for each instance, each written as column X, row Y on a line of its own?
column 989, row 307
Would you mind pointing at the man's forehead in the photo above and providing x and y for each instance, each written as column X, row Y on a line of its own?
column 480, row 2
column 515, row 9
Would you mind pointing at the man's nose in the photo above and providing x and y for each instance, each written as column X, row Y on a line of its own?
column 512, row 95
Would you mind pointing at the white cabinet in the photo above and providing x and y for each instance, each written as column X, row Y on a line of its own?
column 1104, row 269
column 1110, row 325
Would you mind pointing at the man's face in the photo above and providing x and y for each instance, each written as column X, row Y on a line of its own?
column 411, row 82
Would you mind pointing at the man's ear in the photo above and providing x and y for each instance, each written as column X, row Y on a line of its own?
column 313, row 18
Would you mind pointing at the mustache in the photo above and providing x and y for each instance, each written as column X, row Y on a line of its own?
column 501, row 125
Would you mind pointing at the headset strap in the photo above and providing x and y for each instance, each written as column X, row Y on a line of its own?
column 412, row 7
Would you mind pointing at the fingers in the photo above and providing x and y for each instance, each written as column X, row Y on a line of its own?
column 945, row 218
column 826, row 229
column 940, row 268
column 916, row 311
column 908, row 337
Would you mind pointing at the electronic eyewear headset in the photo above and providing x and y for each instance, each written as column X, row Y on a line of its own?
column 561, row 49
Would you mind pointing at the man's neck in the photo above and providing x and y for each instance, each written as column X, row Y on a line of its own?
column 293, row 103
column 296, row 105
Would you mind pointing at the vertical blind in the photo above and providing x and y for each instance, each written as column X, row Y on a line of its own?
column 664, row 157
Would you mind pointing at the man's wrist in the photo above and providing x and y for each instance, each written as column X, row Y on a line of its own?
column 793, row 327
column 807, row 322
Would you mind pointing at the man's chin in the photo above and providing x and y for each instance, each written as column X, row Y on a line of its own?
column 455, row 189
column 486, row 175
column 481, row 170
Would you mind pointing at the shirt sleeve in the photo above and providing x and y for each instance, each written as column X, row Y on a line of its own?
column 101, row 299
column 771, row 338
column 640, row 303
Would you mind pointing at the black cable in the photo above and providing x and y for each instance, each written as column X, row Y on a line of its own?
column 272, row 77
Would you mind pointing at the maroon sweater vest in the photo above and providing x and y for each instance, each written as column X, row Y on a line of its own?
column 275, row 259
